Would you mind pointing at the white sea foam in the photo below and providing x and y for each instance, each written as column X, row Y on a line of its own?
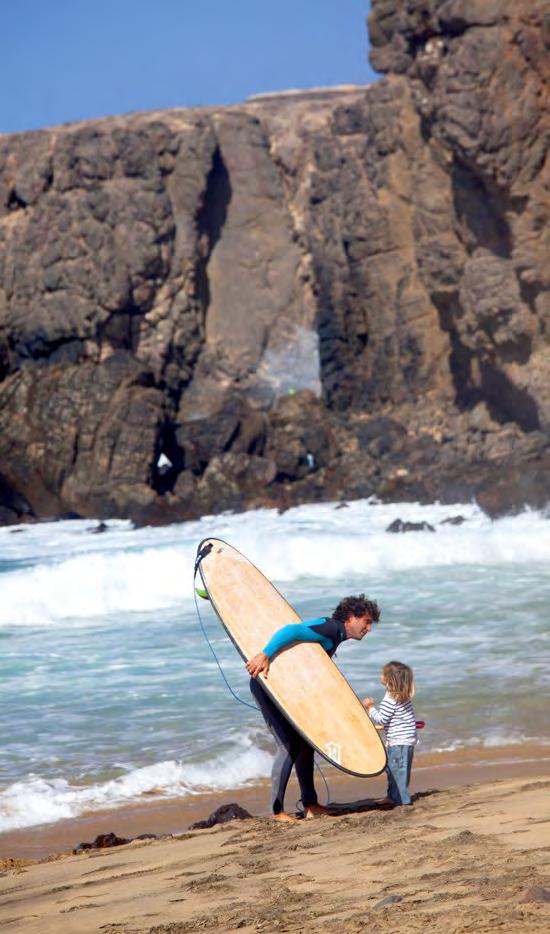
column 499, row 739
column 58, row 571
column 36, row 800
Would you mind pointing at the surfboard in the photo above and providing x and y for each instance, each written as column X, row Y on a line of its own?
column 303, row 681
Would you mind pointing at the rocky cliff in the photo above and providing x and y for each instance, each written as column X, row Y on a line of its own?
column 308, row 296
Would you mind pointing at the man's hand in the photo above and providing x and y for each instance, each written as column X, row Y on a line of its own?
column 368, row 702
column 259, row 663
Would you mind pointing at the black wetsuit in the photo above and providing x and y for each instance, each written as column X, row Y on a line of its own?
column 293, row 750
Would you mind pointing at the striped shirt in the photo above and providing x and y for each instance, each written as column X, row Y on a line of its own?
column 398, row 720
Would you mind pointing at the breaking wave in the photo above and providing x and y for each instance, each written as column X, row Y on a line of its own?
column 59, row 571
column 35, row 800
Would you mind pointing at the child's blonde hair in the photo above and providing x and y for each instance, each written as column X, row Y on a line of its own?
column 399, row 681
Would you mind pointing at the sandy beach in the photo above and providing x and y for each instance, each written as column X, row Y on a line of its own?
column 473, row 854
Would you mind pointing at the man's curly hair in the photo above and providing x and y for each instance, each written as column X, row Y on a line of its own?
column 356, row 606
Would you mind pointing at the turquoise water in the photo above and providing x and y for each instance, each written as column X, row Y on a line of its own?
column 108, row 691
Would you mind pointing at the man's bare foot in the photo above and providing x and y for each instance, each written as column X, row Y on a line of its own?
column 314, row 810
column 285, row 818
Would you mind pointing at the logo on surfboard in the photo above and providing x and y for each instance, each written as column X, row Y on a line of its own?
column 334, row 750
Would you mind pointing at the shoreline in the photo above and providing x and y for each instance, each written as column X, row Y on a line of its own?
column 471, row 858
column 432, row 771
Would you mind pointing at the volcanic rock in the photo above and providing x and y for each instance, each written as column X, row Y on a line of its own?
column 223, row 814
column 399, row 526
column 102, row 841
column 106, row 840
column 323, row 295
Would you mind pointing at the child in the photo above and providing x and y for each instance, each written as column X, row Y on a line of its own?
column 396, row 715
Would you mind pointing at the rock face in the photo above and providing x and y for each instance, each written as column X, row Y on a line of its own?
column 308, row 296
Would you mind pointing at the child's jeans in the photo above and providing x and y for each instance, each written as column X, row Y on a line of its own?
column 399, row 773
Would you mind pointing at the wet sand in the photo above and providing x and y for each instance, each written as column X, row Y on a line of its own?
column 160, row 816
column 473, row 857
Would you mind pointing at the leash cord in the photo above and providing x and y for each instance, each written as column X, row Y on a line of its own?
column 210, row 646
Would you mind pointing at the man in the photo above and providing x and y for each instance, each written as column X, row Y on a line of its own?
column 352, row 619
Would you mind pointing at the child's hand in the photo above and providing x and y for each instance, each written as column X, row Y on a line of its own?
column 368, row 702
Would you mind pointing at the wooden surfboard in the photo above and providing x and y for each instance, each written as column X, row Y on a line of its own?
column 302, row 680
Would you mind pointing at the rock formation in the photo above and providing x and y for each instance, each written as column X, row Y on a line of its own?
column 307, row 296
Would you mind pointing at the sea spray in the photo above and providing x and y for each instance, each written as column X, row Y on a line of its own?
column 81, row 576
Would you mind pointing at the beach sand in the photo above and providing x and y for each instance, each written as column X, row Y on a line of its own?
column 472, row 854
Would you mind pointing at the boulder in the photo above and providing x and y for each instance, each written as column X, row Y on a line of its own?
column 222, row 815
column 106, row 840
column 102, row 841
column 399, row 526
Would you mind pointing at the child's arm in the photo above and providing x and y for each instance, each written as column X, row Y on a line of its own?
column 383, row 715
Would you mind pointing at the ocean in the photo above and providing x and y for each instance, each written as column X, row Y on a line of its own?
column 109, row 692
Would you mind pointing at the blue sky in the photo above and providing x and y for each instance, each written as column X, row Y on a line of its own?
column 66, row 60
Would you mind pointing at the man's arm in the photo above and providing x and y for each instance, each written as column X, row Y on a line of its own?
column 294, row 632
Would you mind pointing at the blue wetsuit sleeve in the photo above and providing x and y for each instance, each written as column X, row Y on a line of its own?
column 295, row 632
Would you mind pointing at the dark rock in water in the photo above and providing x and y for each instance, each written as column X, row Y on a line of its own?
column 102, row 841
column 101, row 527
column 190, row 322
column 453, row 520
column 222, row 815
column 343, row 505
column 399, row 526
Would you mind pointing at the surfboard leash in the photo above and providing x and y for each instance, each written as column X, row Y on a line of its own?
column 322, row 774
column 211, row 647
